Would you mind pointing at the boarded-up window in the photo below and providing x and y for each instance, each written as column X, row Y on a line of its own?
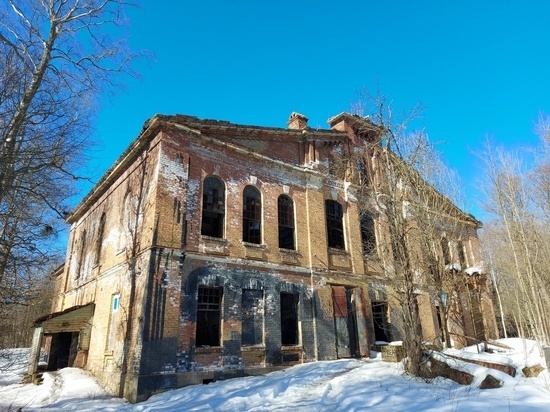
column 289, row 318
column 209, row 300
column 99, row 238
column 252, row 317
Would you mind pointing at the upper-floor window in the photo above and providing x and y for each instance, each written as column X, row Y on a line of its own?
column 99, row 239
column 252, row 215
column 286, row 222
column 445, row 250
column 213, row 207
column 335, row 226
column 368, row 235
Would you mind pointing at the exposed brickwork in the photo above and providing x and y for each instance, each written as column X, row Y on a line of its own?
column 152, row 255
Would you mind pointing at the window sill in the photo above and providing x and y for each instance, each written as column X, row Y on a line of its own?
column 254, row 245
column 208, row 349
column 291, row 347
column 212, row 239
column 252, row 348
column 337, row 251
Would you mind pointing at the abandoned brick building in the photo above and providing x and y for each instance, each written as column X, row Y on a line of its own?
column 213, row 250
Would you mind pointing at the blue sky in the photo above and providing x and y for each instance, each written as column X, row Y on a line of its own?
column 480, row 68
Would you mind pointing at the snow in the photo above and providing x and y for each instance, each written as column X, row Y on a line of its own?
column 343, row 385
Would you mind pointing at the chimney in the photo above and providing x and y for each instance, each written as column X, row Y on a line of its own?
column 297, row 121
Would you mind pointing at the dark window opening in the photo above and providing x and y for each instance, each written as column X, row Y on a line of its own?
column 252, row 215
column 380, row 320
column 368, row 234
column 252, row 317
column 289, row 318
column 286, row 222
column 99, row 240
column 446, row 251
column 213, row 207
column 335, row 227
column 209, row 301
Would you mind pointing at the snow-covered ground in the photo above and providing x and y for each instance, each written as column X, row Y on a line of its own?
column 344, row 385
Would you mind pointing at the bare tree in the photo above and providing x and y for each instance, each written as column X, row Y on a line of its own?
column 518, row 196
column 401, row 174
column 55, row 58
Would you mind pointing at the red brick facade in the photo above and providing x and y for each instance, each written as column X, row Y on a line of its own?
column 179, row 298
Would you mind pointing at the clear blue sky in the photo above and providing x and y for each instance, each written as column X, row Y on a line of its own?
column 478, row 67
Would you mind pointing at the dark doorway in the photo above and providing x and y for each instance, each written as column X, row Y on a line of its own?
column 64, row 348
column 345, row 322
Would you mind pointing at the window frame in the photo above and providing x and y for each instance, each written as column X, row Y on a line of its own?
column 209, row 313
column 213, row 207
column 285, row 220
column 252, row 215
column 334, row 217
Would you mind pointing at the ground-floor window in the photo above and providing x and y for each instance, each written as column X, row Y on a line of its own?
column 209, row 302
column 289, row 318
column 252, row 317
column 380, row 320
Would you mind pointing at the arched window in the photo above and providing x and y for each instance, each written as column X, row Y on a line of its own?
column 213, row 207
column 286, row 222
column 335, row 226
column 368, row 235
column 99, row 239
column 446, row 251
column 252, row 215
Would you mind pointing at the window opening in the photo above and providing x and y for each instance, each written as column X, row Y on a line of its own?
column 209, row 301
column 286, row 222
column 100, row 232
column 252, row 317
column 289, row 318
column 335, row 227
column 213, row 207
column 380, row 319
column 446, row 251
column 252, row 215
column 368, row 235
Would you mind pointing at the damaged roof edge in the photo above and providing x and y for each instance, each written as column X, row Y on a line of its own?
column 147, row 131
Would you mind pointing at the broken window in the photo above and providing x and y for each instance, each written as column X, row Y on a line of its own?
column 289, row 319
column 446, row 251
column 368, row 235
column 209, row 300
column 252, row 215
column 286, row 222
column 252, row 317
column 81, row 254
column 380, row 321
column 99, row 240
column 335, row 227
column 213, row 207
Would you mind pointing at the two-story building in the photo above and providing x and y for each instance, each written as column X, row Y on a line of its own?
column 213, row 250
